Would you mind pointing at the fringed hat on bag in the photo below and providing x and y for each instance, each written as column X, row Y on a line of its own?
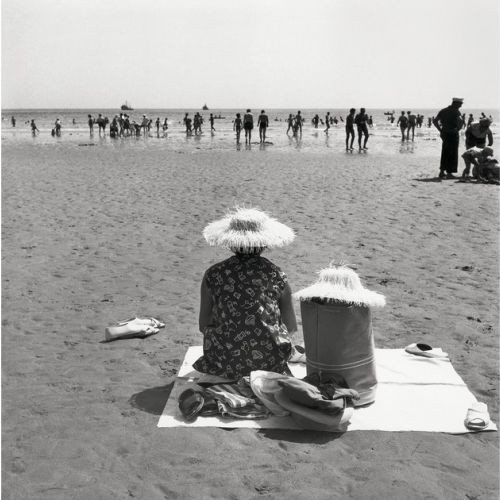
column 246, row 228
column 339, row 283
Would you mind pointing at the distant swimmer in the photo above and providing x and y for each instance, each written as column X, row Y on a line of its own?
column 165, row 125
column 327, row 122
column 197, row 122
column 370, row 121
column 360, row 120
column 315, row 121
column 91, row 124
column 57, row 127
column 412, row 122
column 290, row 123
column 145, row 125
column 188, row 123
column 341, row 119
column 13, row 121
column 34, row 129
column 263, row 123
column 126, row 125
column 237, row 126
column 349, row 130
column 298, row 123
column 114, row 129
column 100, row 123
column 157, row 124
column 335, row 121
column 211, row 120
column 248, row 125
column 403, row 125
column 470, row 119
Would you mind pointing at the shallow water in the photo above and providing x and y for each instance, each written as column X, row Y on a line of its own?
column 384, row 137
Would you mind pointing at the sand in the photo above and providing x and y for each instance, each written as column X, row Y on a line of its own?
column 92, row 235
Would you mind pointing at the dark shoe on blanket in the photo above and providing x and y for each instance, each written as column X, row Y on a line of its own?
column 191, row 403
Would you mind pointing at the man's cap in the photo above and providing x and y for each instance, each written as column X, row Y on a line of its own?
column 458, row 99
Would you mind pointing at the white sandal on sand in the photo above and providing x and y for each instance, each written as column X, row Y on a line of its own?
column 477, row 418
column 425, row 351
column 142, row 321
column 134, row 327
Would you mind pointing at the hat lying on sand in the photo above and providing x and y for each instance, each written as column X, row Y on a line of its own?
column 341, row 284
column 248, row 228
column 313, row 419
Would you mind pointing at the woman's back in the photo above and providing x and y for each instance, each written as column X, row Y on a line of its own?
column 247, row 332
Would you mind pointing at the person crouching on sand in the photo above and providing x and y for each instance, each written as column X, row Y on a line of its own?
column 246, row 312
column 485, row 168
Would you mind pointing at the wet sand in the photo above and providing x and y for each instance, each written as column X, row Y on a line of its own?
column 92, row 235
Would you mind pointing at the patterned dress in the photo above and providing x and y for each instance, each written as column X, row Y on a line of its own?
column 247, row 331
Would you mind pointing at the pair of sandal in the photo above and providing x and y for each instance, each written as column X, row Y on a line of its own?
column 194, row 402
column 133, row 327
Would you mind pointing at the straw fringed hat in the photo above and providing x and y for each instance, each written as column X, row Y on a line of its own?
column 248, row 228
column 341, row 284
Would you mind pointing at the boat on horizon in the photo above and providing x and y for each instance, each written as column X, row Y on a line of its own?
column 126, row 107
column 205, row 107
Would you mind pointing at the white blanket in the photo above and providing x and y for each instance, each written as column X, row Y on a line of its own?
column 414, row 394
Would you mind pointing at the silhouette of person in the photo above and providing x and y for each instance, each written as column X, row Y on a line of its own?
column 403, row 125
column 360, row 120
column 263, row 123
column 412, row 121
column 248, row 125
column 237, row 126
column 34, row 128
column 349, row 130
column 449, row 122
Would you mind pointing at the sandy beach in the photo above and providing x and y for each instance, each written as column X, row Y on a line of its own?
column 96, row 234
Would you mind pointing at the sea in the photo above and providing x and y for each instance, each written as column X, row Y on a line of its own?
column 385, row 136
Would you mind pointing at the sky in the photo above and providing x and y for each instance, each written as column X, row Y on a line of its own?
column 258, row 54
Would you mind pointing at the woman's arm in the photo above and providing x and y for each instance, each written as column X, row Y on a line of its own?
column 205, row 318
column 286, row 308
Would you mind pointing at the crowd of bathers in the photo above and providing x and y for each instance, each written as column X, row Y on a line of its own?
column 123, row 126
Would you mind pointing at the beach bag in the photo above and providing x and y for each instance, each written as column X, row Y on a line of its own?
column 338, row 339
column 337, row 329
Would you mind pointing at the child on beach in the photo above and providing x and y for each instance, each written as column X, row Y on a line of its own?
column 485, row 168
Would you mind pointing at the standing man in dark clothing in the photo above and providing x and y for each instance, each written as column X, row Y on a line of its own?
column 449, row 121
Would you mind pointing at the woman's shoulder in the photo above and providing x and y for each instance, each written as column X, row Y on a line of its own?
column 223, row 264
column 272, row 266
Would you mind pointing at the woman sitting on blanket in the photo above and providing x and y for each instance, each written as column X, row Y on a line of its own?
column 246, row 311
